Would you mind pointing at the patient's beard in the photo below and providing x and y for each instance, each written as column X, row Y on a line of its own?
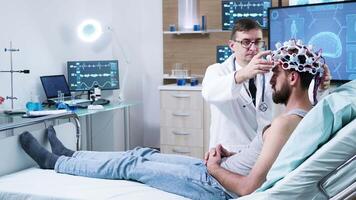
column 282, row 96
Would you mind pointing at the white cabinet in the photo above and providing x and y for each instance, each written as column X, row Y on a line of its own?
column 184, row 120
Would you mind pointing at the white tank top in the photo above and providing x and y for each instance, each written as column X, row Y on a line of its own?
column 243, row 161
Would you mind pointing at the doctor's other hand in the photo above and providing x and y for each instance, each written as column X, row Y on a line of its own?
column 325, row 80
column 257, row 65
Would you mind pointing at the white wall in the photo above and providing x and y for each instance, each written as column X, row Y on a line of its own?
column 45, row 33
column 152, row 57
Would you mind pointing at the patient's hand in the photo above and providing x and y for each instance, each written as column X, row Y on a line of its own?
column 214, row 160
column 224, row 152
column 218, row 149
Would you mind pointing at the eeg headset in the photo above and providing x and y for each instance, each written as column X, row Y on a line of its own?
column 294, row 55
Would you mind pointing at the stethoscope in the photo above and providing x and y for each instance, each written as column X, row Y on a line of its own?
column 263, row 105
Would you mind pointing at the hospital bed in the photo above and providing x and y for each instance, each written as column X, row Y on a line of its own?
column 329, row 172
column 20, row 178
column 319, row 159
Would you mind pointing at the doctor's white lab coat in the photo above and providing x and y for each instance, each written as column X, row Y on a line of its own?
column 235, row 120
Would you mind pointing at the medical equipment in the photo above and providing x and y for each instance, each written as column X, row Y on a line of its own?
column 12, row 71
column 263, row 107
column 294, row 55
column 84, row 75
column 233, row 10
column 326, row 26
column 34, row 104
column 223, row 52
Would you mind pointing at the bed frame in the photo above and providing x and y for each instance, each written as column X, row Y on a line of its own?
column 12, row 153
column 21, row 179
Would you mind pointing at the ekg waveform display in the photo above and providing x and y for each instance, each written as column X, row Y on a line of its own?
column 84, row 75
column 233, row 10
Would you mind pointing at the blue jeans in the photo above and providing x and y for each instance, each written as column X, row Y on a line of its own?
column 182, row 175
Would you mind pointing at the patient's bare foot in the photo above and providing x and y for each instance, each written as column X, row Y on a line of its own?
column 57, row 146
column 43, row 158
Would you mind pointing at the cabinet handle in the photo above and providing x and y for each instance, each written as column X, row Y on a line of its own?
column 180, row 151
column 181, row 114
column 181, row 95
column 180, row 133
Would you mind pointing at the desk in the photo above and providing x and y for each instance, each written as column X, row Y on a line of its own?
column 125, row 105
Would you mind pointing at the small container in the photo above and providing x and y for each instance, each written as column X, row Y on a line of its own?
column 34, row 104
column 60, row 105
column 203, row 23
column 196, row 27
column 72, row 106
column 194, row 82
column 181, row 82
column 172, row 27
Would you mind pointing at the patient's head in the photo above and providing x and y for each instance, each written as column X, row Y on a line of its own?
column 293, row 63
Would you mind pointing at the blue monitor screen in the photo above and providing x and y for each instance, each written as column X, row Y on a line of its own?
column 222, row 53
column 330, row 27
column 84, row 75
column 233, row 10
column 53, row 84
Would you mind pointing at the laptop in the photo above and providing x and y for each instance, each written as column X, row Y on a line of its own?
column 54, row 83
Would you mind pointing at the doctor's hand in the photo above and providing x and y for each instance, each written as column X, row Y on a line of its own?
column 257, row 65
column 325, row 80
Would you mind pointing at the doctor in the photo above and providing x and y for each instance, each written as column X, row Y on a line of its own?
column 237, row 90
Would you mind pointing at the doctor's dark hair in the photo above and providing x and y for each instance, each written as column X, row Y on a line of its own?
column 244, row 24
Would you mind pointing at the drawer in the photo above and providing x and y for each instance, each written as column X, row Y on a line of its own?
column 181, row 100
column 181, row 136
column 182, row 150
column 182, row 119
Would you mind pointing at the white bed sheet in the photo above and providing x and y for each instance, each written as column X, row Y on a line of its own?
column 39, row 184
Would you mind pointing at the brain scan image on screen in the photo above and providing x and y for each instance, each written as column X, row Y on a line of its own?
column 329, row 27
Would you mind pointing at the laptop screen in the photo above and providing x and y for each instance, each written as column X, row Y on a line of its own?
column 53, row 84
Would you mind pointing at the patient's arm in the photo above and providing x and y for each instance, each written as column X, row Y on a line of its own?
column 274, row 139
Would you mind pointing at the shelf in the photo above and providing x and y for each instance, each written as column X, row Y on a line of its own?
column 169, row 77
column 176, row 77
column 196, row 32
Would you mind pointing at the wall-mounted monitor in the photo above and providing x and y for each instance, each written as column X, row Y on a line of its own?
column 233, row 10
column 222, row 53
column 329, row 26
column 302, row 2
column 84, row 75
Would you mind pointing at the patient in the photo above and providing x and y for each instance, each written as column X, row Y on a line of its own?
column 222, row 175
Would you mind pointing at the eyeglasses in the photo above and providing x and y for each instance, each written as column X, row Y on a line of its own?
column 248, row 43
